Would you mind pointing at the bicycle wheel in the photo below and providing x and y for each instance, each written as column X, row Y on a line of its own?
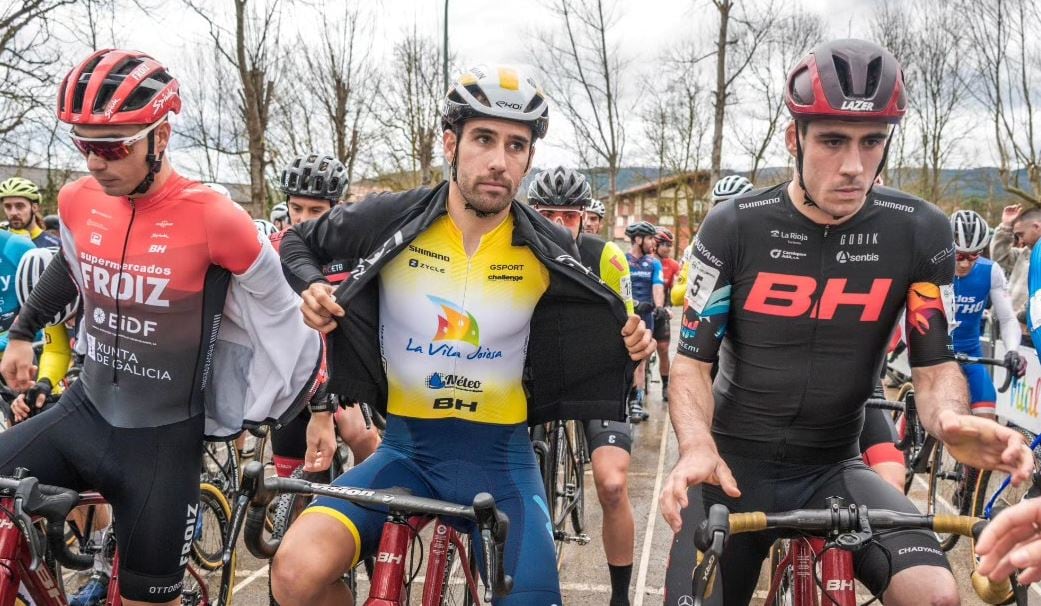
column 207, row 551
column 220, row 466
column 948, row 492
column 455, row 591
column 285, row 509
column 785, row 593
column 580, row 457
column 990, row 481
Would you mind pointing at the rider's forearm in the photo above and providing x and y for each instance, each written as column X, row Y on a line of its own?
column 939, row 388
column 299, row 258
column 691, row 404
column 658, row 292
column 52, row 293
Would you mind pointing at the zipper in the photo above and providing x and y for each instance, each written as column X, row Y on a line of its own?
column 119, row 282
column 781, row 454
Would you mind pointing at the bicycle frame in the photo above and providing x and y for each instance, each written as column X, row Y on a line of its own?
column 836, row 577
column 988, row 510
column 388, row 575
column 14, row 567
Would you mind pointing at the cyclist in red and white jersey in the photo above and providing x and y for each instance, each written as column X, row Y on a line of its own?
column 662, row 330
column 155, row 257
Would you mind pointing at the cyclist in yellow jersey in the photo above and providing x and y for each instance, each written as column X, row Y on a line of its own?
column 562, row 195
column 21, row 200
column 460, row 316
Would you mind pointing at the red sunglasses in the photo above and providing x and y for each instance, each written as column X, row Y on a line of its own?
column 567, row 217
column 111, row 148
column 967, row 256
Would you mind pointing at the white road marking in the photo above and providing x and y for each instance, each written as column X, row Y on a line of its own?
column 652, row 517
column 253, row 577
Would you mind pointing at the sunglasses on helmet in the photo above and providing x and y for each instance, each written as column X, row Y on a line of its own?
column 110, row 148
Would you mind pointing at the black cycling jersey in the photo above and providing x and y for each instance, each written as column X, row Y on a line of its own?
column 798, row 315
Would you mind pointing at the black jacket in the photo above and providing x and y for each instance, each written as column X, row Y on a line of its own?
column 577, row 365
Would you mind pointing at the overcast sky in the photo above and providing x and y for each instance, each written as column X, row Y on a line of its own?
column 487, row 31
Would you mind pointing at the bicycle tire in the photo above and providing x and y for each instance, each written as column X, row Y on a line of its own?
column 221, row 466
column 285, row 510
column 207, row 559
column 578, row 513
column 948, row 491
column 784, row 595
column 989, row 481
column 454, row 588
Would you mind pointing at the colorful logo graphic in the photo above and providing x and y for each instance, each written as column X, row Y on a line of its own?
column 923, row 302
column 455, row 323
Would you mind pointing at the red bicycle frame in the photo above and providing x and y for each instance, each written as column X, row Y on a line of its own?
column 836, row 577
column 15, row 560
column 388, row 575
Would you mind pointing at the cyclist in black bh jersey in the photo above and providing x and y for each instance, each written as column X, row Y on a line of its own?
column 795, row 290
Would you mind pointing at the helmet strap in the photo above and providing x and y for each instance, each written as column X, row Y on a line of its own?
column 806, row 199
column 155, row 163
column 885, row 156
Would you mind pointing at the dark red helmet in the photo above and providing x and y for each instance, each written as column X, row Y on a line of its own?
column 117, row 87
column 847, row 80
column 664, row 236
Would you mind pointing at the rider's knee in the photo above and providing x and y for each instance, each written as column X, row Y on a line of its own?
column 611, row 488
column 933, row 585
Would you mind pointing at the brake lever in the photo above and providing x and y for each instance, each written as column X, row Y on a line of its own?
column 28, row 491
column 703, row 580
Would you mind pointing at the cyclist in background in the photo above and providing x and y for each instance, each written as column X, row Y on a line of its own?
column 662, row 328
column 280, row 214
column 979, row 283
column 313, row 184
column 648, row 296
column 562, row 196
column 265, row 228
column 21, row 199
column 594, row 217
column 724, row 189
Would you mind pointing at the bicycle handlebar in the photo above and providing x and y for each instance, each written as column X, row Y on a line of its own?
column 257, row 492
column 53, row 504
column 847, row 527
column 962, row 358
column 881, row 404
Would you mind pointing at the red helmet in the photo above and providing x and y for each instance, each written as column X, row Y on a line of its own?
column 847, row 80
column 117, row 87
column 664, row 236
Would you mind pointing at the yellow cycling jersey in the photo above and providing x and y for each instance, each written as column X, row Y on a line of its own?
column 608, row 262
column 454, row 328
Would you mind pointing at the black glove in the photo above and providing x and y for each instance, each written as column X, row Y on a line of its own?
column 644, row 308
column 43, row 386
column 1015, row 363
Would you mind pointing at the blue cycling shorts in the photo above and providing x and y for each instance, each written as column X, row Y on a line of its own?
column 453, row 460
column 982, row 394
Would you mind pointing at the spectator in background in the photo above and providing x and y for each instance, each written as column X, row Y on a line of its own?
column 1010, row 248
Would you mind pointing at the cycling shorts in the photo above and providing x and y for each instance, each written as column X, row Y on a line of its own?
column 662, row 331
column 878, row 438
column 773, row 486
column 648, row 320
column 289, row 444
column 609, row 433
column 453, row 460
column 149, row 475
column 981, row 387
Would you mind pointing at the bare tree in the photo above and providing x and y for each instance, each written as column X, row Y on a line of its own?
column 738, row 40
column 792, row 36
column 1005, row 81
column 676, row 123
column 27, row 56
column 210, row 89
column 939, row 91
column 331, row 111
column 252, row 46
column 583, row 77
column 409, row 108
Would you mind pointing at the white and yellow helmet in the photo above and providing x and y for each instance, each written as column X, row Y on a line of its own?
column 496, row 91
